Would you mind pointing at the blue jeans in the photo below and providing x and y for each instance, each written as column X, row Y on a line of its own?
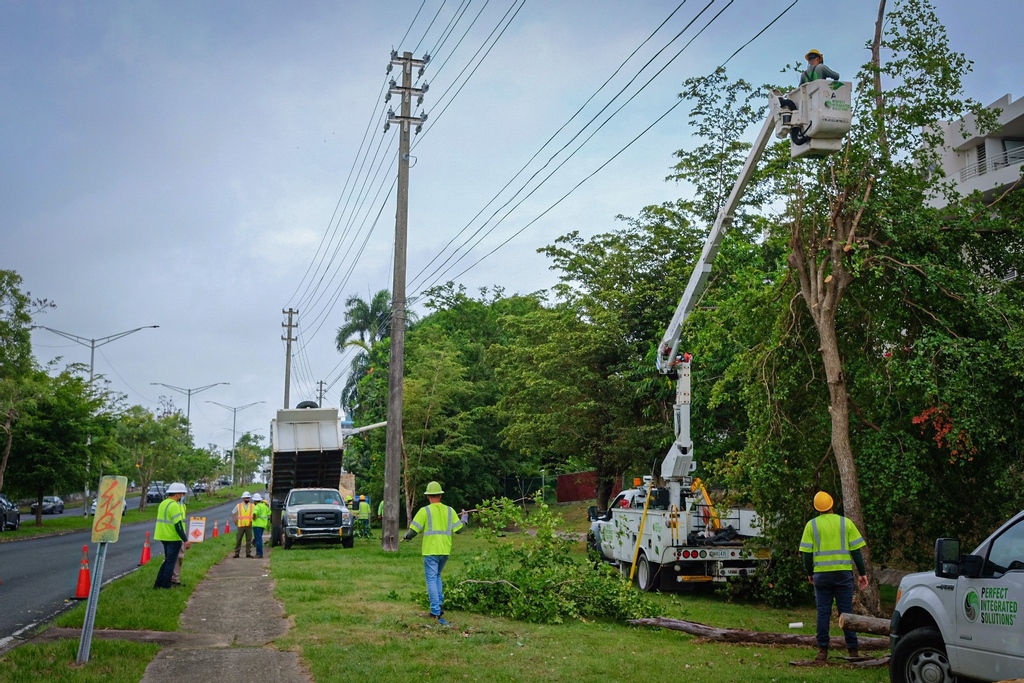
column 433, row 565
column 163, row 577
column 829, row 586
column 258, row 533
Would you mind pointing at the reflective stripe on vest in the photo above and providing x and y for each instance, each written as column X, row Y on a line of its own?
column 244, row 514
column 833, row 559
column 168, row 515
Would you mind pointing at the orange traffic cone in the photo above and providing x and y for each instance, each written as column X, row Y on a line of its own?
column 145, row 551
column 84, row 580
column 227, row 527
column 214, row 528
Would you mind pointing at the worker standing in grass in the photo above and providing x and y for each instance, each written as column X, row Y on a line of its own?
column 437, row 522
column 242, row 516
column 380, row 512
column 364, row 517
column 170, row 530
column 830, row 546
column 176, row 574
column 260, row 521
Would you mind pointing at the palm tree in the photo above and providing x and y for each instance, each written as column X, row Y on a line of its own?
column 371, row 321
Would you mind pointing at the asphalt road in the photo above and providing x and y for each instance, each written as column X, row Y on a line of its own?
column 38, row 575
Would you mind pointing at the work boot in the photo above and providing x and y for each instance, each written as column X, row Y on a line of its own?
column 822, row 654
column 235, row 556
column 854, row 653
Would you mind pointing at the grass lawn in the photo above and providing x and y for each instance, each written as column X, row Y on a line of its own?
column 66, row 523
column 110, row 661
column 356, row 617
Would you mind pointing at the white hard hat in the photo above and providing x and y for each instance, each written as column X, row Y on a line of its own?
column 246, row 495
column 257, row 498
column 177, row 487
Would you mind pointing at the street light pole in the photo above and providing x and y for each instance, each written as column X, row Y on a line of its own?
column 92, row 344
column 188, row 393
column 234, row 417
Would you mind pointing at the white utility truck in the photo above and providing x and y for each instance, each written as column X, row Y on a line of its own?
column 669, row 535
column 964, row 618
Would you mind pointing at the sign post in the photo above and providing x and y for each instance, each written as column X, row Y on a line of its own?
column 106, row 528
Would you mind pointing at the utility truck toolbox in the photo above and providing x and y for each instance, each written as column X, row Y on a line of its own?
column 964, row 617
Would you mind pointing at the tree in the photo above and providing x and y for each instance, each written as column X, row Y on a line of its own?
column 249, row 454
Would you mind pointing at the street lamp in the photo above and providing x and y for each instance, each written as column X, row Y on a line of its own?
column 234, row 416
column 188, row 392
column 92, row 344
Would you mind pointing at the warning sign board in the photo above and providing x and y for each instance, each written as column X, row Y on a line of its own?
column 196, row 529
column 106, row 524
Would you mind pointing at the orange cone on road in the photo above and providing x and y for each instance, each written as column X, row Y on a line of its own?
column 227, row 527
column 145, row 551
column 214, row 528
column 84, row 579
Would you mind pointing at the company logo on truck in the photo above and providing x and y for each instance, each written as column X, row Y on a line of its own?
column 971, row 606
column 992, row 606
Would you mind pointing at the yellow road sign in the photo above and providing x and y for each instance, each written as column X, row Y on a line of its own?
column 106, row 524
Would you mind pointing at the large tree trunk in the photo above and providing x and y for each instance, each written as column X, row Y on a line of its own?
column 7, row 428
column 736, row 635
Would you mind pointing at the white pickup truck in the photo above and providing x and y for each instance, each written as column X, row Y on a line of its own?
column 963, row 619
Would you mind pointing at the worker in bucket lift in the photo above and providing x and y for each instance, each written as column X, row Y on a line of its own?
column 816, row 69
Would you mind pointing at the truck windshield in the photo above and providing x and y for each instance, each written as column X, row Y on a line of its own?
column 314, row 498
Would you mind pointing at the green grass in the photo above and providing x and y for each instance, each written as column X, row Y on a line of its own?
column 67, row 523
column 110, row 661
column 132, row 603
column 357, row 615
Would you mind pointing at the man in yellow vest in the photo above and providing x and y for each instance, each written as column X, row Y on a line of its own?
column 170, row 530
column 831, row 545
column 363, row 517
column 437, row 522
column 243, row 516
column 260, row 522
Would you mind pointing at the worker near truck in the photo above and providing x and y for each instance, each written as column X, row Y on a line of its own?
column 243, row 516
column 437, row 522
column 260, row 521
column 363, row 517
column 816, row 69
column 170, row 530
column 831, row 546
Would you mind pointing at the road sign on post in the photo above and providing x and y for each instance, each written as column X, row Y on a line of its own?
column 106, row 527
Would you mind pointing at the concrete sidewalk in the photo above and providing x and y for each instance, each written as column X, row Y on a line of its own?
column 234, row 608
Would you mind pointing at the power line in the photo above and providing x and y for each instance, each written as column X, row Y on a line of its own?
column 429, row 26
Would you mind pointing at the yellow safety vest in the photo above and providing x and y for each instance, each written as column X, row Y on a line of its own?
column 830, row 538
column 436, row 522
column 243, row 514
column 168, row 515
column 261, row 516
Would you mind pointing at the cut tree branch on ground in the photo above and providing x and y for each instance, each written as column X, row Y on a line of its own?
column 729, row 635
column 864, row 624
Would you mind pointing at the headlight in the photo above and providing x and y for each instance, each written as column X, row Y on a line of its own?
column 346, row 518
column 291, row 518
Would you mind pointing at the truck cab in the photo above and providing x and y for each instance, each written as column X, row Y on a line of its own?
column 963, row 618
column 315, row 514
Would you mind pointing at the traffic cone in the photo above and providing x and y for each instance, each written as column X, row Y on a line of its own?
column 84, row 579
column 227, row 527
column 145, row 551
column 214, row 528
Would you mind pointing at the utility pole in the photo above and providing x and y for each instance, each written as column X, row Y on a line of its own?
column 288, row 353
column 234, row 416
column 393, row 454
column 92, row 344
column 188, row 392
column 320, row 393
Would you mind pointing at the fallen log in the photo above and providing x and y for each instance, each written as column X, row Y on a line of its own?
column 864, row 624
column 859, row 663
column 730, row 635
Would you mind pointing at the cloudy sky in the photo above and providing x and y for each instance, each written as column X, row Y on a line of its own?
column 202, row 166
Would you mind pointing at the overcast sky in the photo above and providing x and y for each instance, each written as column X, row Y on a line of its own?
column 197, row 165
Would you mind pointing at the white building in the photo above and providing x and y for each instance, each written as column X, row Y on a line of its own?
column 989, row 163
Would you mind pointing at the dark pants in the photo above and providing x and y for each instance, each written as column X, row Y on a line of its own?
column 163, row 577
column 258, row 534
column 247, row 532
column 829, row 586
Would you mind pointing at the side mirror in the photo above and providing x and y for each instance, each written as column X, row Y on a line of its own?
column 592, row 513
column 277, row 505
column 947, row 558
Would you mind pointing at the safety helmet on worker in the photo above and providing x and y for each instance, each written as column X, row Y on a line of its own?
column 176, row 487
column 246, row 495
column 822, row 501
column 814, row 53
column 433, row 489
column 362, row 498
column 348, row 499
column 257, row 498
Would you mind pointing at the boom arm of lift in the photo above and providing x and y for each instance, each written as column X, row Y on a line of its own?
column 816, row 117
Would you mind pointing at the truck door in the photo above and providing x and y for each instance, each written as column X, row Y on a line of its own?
column 989, row 624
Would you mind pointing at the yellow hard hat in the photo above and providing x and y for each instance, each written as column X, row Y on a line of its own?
column 822, row 501
column 813, row 53
column 433, row 489
column 362, row 497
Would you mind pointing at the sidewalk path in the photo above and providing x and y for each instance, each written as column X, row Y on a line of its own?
column 234, row 603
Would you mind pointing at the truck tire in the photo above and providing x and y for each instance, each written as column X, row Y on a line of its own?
column 275, row 537
column 286, row 542
column 347, row 541
column 920, row 656
column 646, row 573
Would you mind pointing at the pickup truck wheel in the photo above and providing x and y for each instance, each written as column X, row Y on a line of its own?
column 275, row 537
column 920, row 657
column 285, row 541
column 347, row 541
column 646, row 573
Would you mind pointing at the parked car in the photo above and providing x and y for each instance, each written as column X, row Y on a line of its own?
column 52, row 505
column 10, row 515
column 199, row 487
column 155, row 494
column 124, row 507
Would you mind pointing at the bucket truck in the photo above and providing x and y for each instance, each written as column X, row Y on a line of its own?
column 668, row 533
